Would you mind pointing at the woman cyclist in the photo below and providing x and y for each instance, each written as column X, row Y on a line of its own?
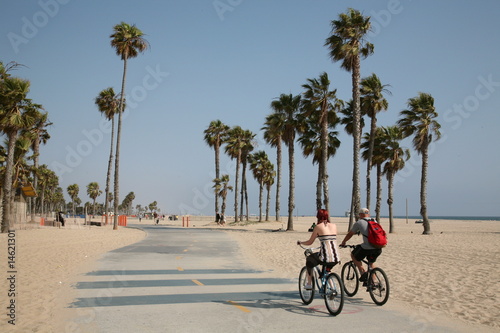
column 326, row 232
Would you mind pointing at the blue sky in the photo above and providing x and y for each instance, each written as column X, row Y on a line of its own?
column 228, row 60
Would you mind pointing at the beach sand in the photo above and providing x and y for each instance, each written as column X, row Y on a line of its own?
column 453, row 272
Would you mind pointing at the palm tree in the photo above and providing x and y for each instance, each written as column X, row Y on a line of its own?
column 347, row 44
column 108, row 104
column 234, row 146
column 348, row 121
column 221, row 186
column 93, row 192
column 310, row 141
column 419, row 120
column 395, row 156
column 318, row 99
column 378, row 158
column 215, row 136
column 372, row 102
column 289, row 106
column 248, row 138
column 73, row 194
column 259, row 164
column 273, row 134
column 14, row 116
column 38, row 135
column 268, row 182
column 128, row 42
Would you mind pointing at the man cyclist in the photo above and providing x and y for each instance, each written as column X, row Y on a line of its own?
column 365, row 249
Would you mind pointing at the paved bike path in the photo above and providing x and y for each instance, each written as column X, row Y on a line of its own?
column 195, row 280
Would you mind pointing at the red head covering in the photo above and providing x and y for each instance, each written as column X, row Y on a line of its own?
column 323, row 216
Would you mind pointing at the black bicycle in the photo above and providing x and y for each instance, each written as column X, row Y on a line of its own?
column 327, row 283
column 377, row 283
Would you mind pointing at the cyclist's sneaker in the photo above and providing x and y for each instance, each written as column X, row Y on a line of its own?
column 308, row 286
column 363, row 277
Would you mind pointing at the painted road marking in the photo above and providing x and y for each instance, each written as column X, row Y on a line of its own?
column 178, row 258
column 180, row 269
column 198, row 282
column 242, row 308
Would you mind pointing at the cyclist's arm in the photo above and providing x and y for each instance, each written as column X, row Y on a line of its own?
column 312, row 239
column 347, row 237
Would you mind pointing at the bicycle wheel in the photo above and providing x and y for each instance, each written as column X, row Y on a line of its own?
column 378, row 286
column 306, row 295
column 334, row 294
column 350, row 279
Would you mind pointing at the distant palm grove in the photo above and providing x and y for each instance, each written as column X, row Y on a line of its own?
column 25, row 124
column 311, row 119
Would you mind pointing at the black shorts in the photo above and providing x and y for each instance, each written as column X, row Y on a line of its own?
column 313, row 261
column 371, row 255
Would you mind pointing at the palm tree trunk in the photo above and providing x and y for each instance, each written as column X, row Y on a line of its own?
column 217, row 171
column 423, row 190
column 261, row 190
column 268, row 201
column 7, row 218
column 108, row 175
column 278, row 181
column 378, row 203
column 318, row 189
column 118, row 141
column 236, row 187
column 243, row 185
column 291, row 192
column 390, row 200
column 324, row 155
column 356, row 192
column 33, row 200
column 373, row 128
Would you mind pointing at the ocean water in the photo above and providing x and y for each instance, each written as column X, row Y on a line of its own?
column 456, row 218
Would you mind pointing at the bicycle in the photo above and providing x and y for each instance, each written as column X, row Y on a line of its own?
column 377, row 283
column 328, row 284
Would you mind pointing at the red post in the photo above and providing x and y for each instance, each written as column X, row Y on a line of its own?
column 42, row 221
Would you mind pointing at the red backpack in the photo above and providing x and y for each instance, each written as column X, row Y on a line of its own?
column 376, row 234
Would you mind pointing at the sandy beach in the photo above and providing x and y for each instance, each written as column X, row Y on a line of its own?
column 451, row 272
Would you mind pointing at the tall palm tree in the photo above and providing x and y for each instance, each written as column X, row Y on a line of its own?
column 215, row 136
column 372, row 102
column 396, row 157
column 273, row 134
column 93, row 192
column 234, row 146
column 319, row 99
column 289, row 106
column 73, row 194
column 248, row 138
column 348, row 121
column 128, row 42
column 108, row 104
column 268, row 183
column 221, row 187
column 38, row 134
column 14, row 116
column 347, row 44
column 419, row 120
column 378, row 158
column 310, row 140
column 260, row 164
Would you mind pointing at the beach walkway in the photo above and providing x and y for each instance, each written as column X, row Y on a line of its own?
column 196, row 280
